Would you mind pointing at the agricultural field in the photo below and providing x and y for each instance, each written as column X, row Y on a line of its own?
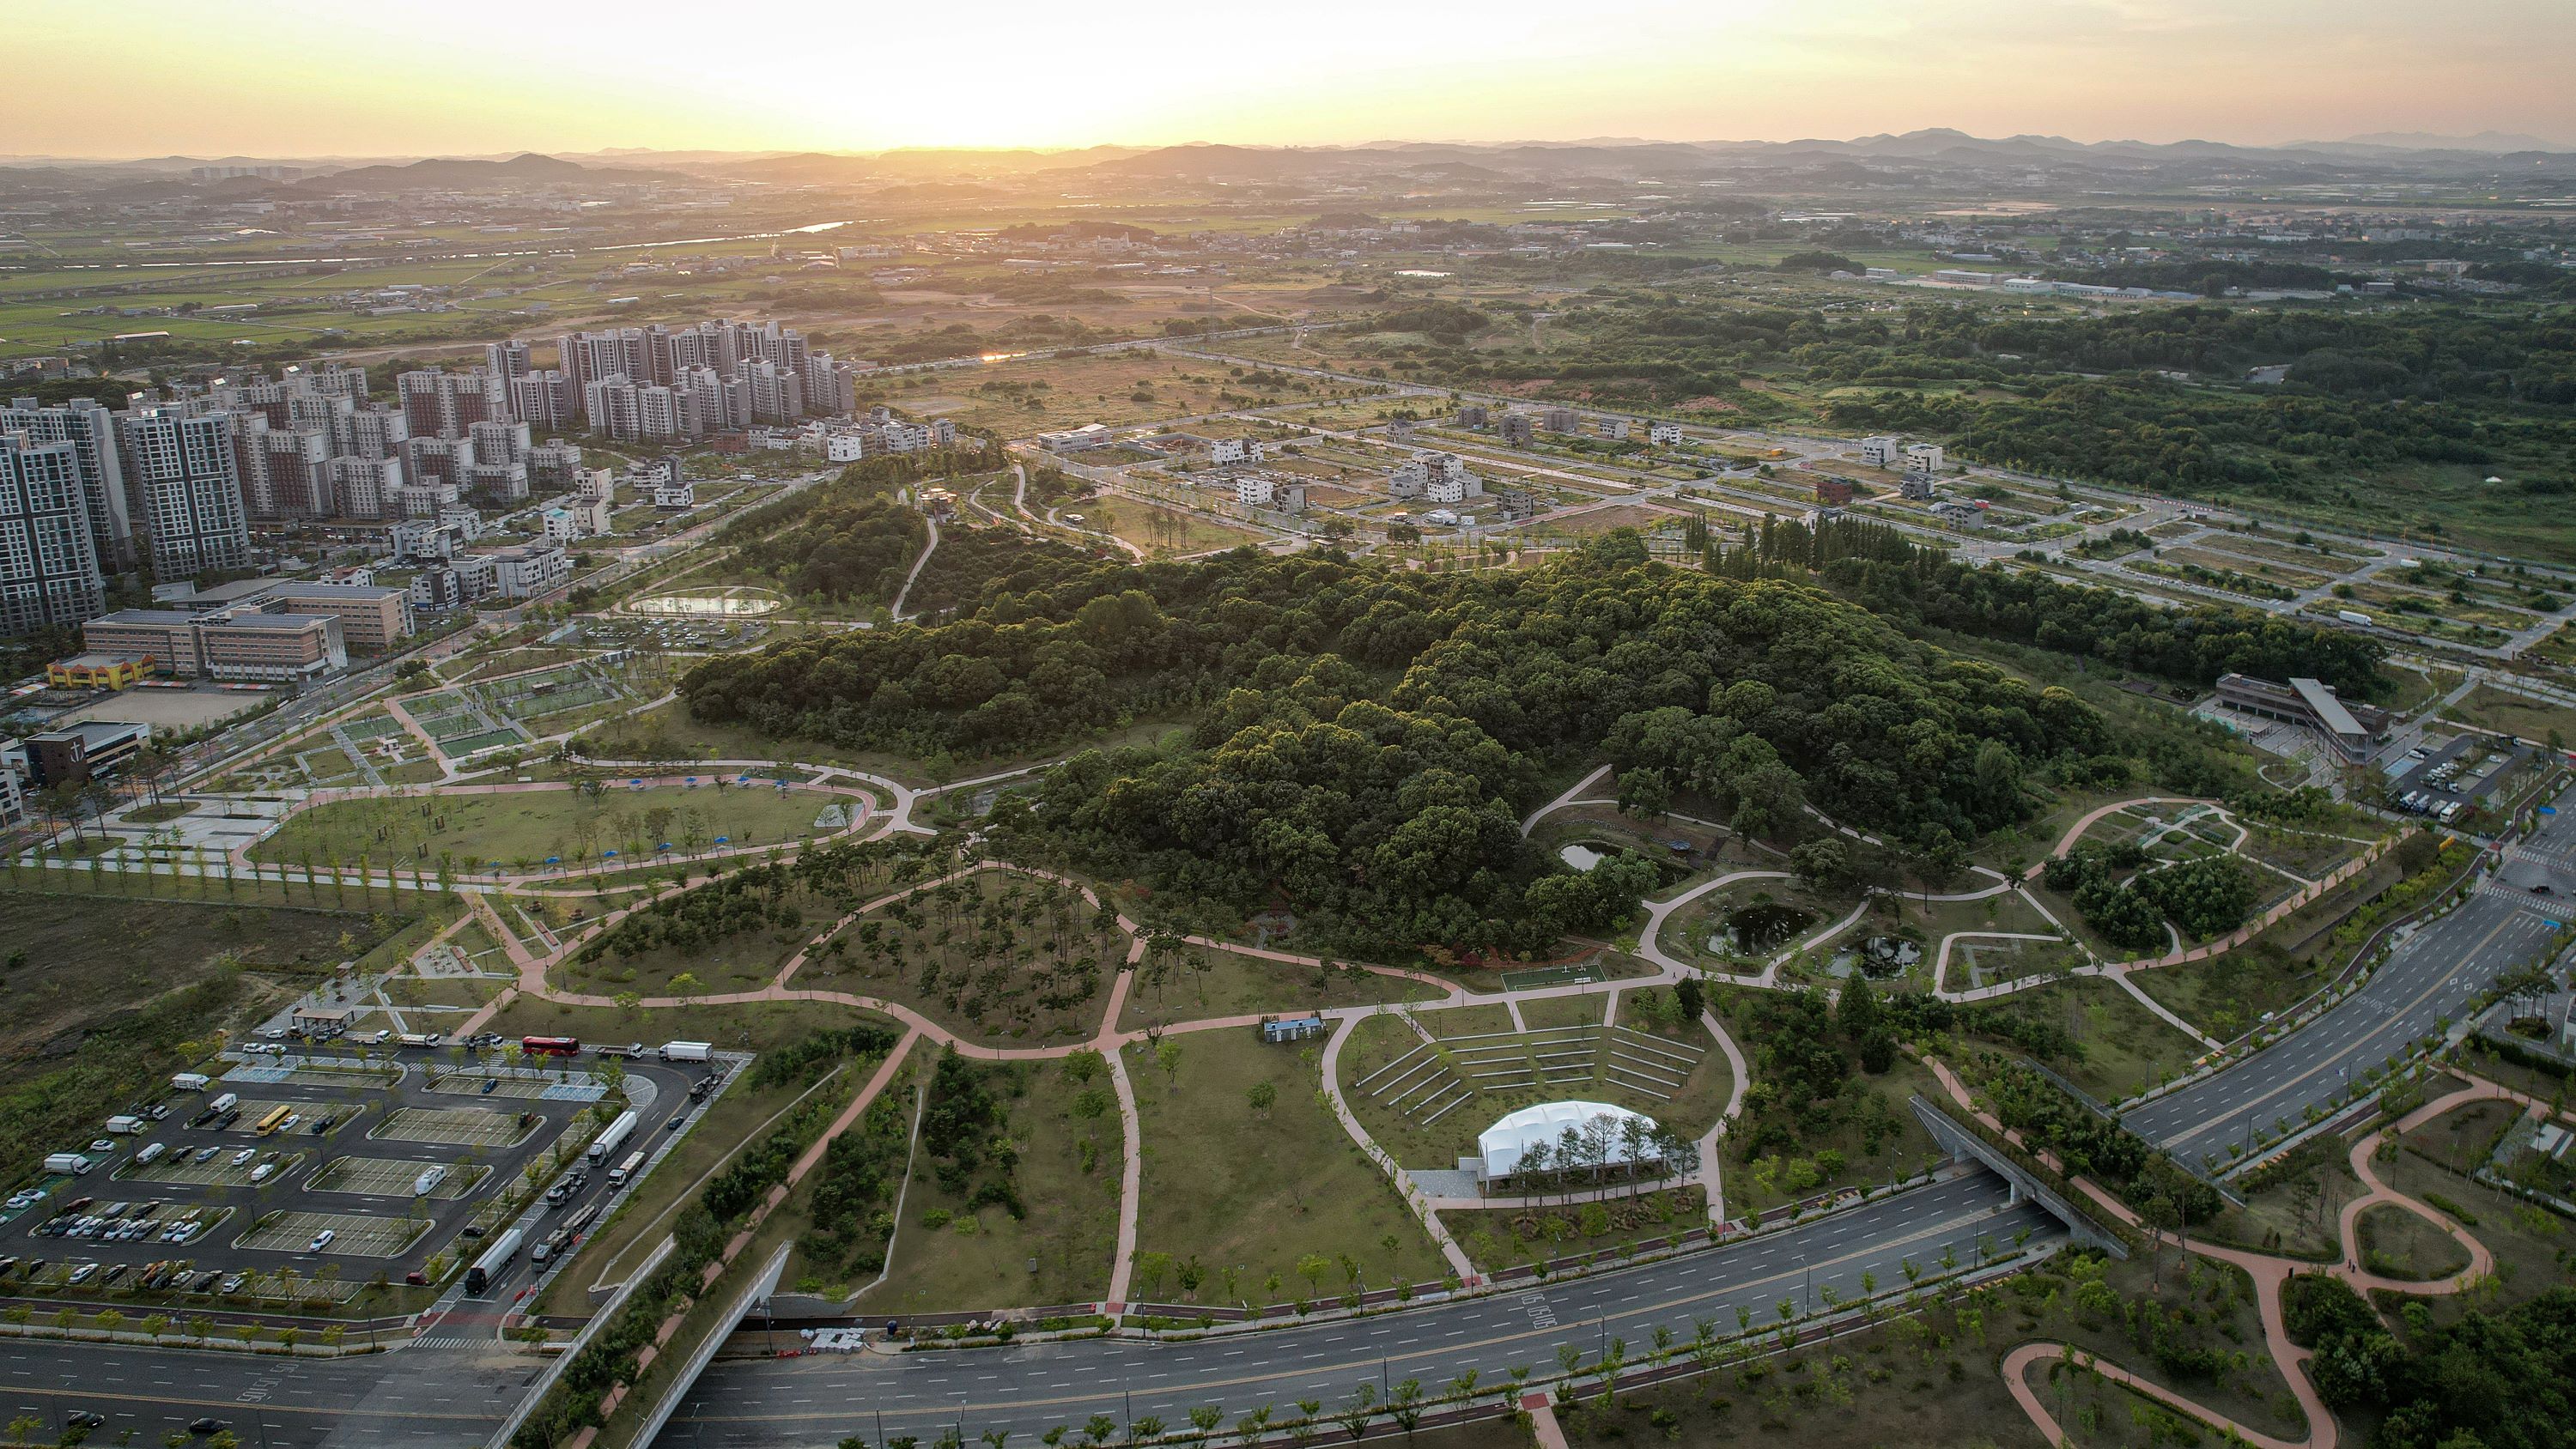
column 1023, row 396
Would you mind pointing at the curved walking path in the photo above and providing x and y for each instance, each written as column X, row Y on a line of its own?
column 2268, row 1273
column 1111, row 1041
column 2090, row 818
column 895, row 610
column 1573, row 795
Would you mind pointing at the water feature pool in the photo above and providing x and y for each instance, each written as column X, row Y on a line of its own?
column 1582, row 857
column 739, row 602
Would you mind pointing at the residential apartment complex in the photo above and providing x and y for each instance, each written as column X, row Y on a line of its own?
column 664, row 382
column 49, row 565
column 182, row 475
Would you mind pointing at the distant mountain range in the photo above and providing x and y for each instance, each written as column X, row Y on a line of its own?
column 1862, row 160
column 2492, row 142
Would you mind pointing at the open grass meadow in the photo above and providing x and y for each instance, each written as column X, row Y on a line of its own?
column 1249, row 1192
column 520, row 829
column 952, row 1254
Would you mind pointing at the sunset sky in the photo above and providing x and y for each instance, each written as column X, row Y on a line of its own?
column 326, row 77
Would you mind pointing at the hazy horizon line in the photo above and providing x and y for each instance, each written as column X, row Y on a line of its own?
column 1382, row 143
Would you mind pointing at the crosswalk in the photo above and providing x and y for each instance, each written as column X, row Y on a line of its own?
column 2552, row 908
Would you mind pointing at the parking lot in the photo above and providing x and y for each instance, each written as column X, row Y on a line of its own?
column 2466, row 770
column 459, row 1126
column 235, row 1206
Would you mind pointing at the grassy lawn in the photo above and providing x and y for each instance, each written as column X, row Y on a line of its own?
column 2529, row 1243
column 1933, row 1378
column 2124, row 1048
column 669, row 733
column 1587, row 1009
column 1195, row 983
column 526, row 827
column 2400, row 1244
column 2229, row 994
column 2514, row 715
column 1499, row 1238
column 996, row 956
column 949, row 1256
column 101, row 998
column 1162, row 530
column 2311, row 854
column 1248, row 1192
column 2460, row 1139
column 743, row 961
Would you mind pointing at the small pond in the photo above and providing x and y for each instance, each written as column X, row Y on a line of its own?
column 1878, row 957
column 1763, row 926
column 1583, row 857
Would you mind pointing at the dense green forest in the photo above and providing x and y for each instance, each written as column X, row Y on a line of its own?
column 2486, row 1380
column 1365, row 740
column 850, row 547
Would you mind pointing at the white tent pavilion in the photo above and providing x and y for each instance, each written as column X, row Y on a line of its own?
column 1504, row 1143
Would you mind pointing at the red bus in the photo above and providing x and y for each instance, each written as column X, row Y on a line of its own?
column 550, row 1046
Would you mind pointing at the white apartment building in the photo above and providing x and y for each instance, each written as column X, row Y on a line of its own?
column 1879, row 452
column 531, row 569
column 1664, row 435
column 1924, row 458
column 1252, row 490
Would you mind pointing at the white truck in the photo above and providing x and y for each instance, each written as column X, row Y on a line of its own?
column 71, row 1162
column 427, row 1182
column 192, row 1081
column 614, row 1138
column 687, row 1051
column 124, row 1125
column 2353, row 616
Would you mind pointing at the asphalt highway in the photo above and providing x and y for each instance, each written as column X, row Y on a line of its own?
column 817, row 1400
column 431, row 1397
column 2503, row 924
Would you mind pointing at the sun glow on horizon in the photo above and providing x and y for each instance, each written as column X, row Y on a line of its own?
column 310, row 78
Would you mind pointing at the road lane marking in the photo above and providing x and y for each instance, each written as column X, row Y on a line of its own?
column 1935, row 1231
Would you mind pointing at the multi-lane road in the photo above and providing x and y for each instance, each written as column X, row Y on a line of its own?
column 431, row 1397
column 817, row 1400
column 2428, row 978
column 455, row 1396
